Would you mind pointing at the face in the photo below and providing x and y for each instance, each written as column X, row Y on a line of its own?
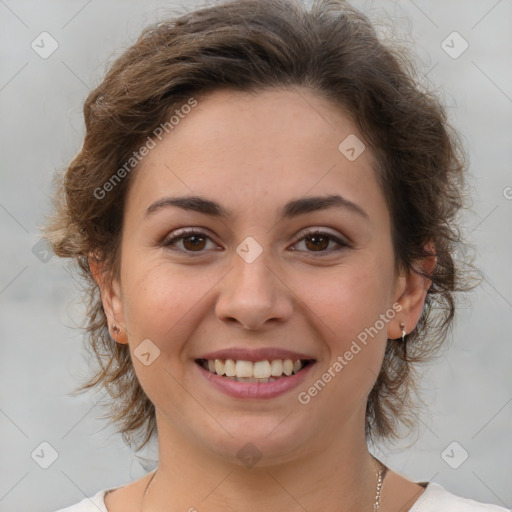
column 250, row 236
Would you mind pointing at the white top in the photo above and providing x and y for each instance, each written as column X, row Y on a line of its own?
column 434, row 499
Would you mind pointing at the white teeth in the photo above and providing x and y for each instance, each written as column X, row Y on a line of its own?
column 287, row 367
column 276, row 368
column 244, row 369
column 259, row 371
column 230, row 368
column 219, row 367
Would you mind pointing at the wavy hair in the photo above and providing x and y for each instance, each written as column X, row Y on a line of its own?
column 252, row 45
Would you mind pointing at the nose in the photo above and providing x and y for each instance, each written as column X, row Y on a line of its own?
column 253, row 297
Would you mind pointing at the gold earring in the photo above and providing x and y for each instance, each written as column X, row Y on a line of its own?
column 115, row 329
column 402, row 326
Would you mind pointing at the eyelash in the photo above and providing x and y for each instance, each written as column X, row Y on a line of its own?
column 190, row 232
column 183, row 234
column 332, row 238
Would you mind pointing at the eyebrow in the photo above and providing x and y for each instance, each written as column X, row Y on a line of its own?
column 194, row 203
column 291, row 209
column 312, row 204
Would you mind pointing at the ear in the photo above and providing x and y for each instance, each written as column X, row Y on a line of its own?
column 110, row 290
column 411, row 292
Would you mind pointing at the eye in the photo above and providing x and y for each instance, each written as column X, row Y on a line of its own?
column 189, row 240
column 320, row 242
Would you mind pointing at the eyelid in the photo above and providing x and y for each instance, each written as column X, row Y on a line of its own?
column 342, row 244
column 181, row 233
column 322, row 231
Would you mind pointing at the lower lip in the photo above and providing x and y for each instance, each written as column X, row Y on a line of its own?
column 255, row 389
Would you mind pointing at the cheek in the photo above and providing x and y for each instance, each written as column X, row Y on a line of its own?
column 346, row 299
column 161, row 301
column 345, row 312
column 346, row 305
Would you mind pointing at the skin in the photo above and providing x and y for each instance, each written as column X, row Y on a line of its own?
column 252, row 153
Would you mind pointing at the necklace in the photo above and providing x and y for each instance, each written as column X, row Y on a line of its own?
column 376, row 505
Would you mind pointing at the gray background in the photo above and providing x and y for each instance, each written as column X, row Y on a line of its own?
column 467, row 389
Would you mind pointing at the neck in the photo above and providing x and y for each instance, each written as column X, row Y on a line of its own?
column 340, row 477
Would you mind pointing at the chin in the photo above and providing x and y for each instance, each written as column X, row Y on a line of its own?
column 264, row 443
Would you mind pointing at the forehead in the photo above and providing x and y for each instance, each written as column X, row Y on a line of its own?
column 245, row 149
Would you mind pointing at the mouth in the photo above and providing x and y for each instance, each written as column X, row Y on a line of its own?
column 263, row 371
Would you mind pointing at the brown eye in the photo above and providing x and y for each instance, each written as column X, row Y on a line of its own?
column 189, row 241
column 194, row 242
column 320, row 242
column 317, row 242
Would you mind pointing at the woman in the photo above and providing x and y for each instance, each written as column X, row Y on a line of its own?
column 264, row 210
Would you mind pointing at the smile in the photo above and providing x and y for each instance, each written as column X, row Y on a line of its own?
column 254, row 371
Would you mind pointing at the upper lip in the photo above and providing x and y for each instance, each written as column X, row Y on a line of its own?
column 259, row 354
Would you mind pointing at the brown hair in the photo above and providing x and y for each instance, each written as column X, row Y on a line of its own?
column 250, row 45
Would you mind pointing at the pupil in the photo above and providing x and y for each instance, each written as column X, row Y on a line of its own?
column 194, row 242
column 318, row 242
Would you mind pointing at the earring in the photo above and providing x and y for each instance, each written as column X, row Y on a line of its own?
column 115, row 329
column 402, row 326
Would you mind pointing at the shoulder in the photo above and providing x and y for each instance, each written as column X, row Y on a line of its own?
column 436, row 498
column 94, row 504
column 123, row 497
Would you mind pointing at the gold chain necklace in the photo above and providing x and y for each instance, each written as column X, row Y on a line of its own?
column 376, row 505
